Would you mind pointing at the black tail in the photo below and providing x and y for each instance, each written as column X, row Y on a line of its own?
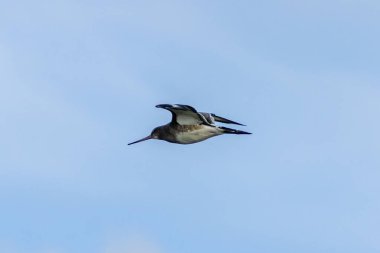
column 227, row 130
column 224, row 120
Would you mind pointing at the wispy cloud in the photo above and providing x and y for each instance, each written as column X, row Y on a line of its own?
column 133, row 243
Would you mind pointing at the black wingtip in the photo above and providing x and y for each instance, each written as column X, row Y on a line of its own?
column 187, row 107
column 177, row 107
column 164, row 106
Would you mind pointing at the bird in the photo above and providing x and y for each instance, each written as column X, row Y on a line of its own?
column 189, row 126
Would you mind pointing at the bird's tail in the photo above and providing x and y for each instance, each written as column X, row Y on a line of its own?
column 224, row 120
column 227, row 130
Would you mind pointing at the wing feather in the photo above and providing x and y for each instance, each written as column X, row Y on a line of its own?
column 184, row 114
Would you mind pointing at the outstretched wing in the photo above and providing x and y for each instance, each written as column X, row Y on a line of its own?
column 211, row 118
column 184, row 114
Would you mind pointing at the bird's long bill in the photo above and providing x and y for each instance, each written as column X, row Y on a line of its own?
column 143, row 139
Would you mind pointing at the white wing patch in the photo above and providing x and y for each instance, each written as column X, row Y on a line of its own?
column 208, row 117
column 185, row 115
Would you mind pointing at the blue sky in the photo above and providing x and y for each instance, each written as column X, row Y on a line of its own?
column 80, row 79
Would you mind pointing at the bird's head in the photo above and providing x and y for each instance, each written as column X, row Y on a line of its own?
column 155, row 133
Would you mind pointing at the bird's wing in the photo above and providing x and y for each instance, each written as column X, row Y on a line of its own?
column 184, row 114
column 211, row 118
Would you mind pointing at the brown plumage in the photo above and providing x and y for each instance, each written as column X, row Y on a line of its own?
column 189, row 126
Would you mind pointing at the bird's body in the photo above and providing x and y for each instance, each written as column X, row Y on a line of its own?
column 187, row 134
column 189, row 126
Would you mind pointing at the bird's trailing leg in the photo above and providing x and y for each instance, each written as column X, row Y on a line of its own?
column 227, row 130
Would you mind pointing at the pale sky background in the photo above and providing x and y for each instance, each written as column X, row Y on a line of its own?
column 80, row 79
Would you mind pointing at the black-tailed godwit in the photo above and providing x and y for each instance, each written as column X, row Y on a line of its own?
column 189, row 126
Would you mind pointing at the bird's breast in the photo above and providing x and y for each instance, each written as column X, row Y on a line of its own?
column 196, row 134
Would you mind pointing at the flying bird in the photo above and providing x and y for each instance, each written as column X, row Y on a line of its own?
column 189, row 126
